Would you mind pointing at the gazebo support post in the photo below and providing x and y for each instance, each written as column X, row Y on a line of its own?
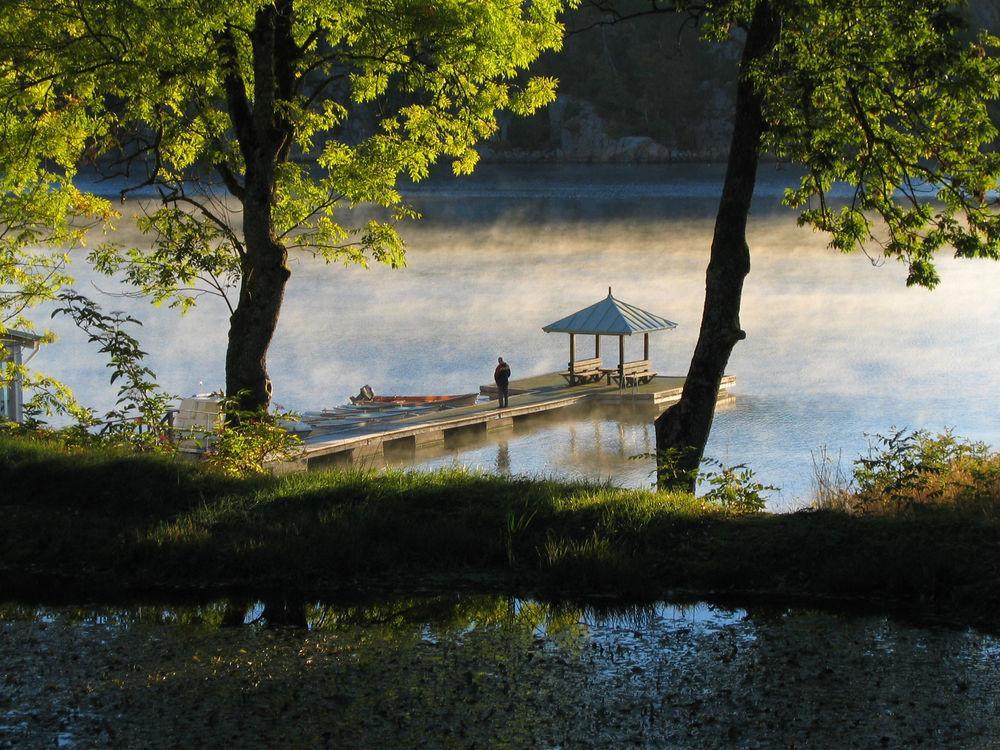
column 597, row 345
column 645, row 346
column 621, row 361
column 572, row 358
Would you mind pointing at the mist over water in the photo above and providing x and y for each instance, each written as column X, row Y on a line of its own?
column 835, row 347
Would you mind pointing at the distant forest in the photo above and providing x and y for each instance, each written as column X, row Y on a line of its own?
column 649, row 89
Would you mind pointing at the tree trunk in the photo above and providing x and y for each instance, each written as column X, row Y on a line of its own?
column 264, row 135
column 264, row 272
column 682, row 430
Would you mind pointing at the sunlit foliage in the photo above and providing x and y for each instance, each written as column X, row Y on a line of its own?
column 271, row 119
column 888, row 98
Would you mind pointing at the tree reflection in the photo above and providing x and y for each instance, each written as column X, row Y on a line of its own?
column 454, row 670
column 284, row 612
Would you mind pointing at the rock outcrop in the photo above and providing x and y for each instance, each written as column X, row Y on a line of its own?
column 578, row 133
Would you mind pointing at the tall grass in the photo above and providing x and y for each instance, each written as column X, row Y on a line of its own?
column 102, row 523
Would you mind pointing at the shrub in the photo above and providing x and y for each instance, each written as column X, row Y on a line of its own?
column 734, row 488
column 138, row 420
column 249, row 441
column 909, row 468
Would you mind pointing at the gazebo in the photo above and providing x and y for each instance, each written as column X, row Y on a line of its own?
column 609, row 317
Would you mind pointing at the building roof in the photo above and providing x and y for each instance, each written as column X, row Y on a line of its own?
column 610, row 317
column 19, row 337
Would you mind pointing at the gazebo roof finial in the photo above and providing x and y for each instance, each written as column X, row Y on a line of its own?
column 609, row 291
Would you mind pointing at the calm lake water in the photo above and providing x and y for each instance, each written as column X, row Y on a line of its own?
column 836, row 348
column 481, row 671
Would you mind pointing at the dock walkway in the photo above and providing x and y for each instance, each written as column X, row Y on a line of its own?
column 528, row 396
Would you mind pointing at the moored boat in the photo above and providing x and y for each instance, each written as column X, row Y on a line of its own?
column 384, row 402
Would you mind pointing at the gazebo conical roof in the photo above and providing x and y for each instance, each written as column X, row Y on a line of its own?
column 610, row 317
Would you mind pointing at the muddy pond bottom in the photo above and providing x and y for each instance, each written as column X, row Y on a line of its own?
column 484, row 671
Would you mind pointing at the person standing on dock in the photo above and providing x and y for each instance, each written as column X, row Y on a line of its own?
column 502, row 377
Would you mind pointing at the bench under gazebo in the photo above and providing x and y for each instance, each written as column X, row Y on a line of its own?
column 609, row 317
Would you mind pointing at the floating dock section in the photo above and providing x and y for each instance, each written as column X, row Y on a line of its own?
column 348, row 444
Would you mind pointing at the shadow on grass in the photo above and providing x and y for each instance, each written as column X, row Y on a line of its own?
column 104, row 522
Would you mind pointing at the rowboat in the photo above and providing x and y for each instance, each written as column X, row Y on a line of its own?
column 441, row 402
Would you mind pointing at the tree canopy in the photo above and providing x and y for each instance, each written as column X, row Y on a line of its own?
column 256, row 125
column 888, row 96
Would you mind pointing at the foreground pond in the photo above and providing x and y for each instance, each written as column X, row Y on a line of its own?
column 479, row 671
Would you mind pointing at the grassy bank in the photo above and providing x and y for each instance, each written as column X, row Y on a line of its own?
column 106, row 524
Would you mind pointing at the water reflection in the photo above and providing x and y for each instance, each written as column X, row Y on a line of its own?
column 453, row 670
column 503, row 459
column 605, row 444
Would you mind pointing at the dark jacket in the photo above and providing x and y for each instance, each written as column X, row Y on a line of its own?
column 502, row 374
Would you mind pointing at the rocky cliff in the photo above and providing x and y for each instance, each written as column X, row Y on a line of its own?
column 646, row 91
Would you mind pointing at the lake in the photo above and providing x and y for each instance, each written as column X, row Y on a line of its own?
column 836, row 347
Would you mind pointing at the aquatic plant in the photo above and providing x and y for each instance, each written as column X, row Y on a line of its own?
column 517, row 522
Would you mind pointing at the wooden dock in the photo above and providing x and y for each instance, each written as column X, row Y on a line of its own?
column 528, row 397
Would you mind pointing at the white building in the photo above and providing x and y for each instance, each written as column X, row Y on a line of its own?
column 14, row 344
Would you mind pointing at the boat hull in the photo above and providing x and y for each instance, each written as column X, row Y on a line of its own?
column 388, row 402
